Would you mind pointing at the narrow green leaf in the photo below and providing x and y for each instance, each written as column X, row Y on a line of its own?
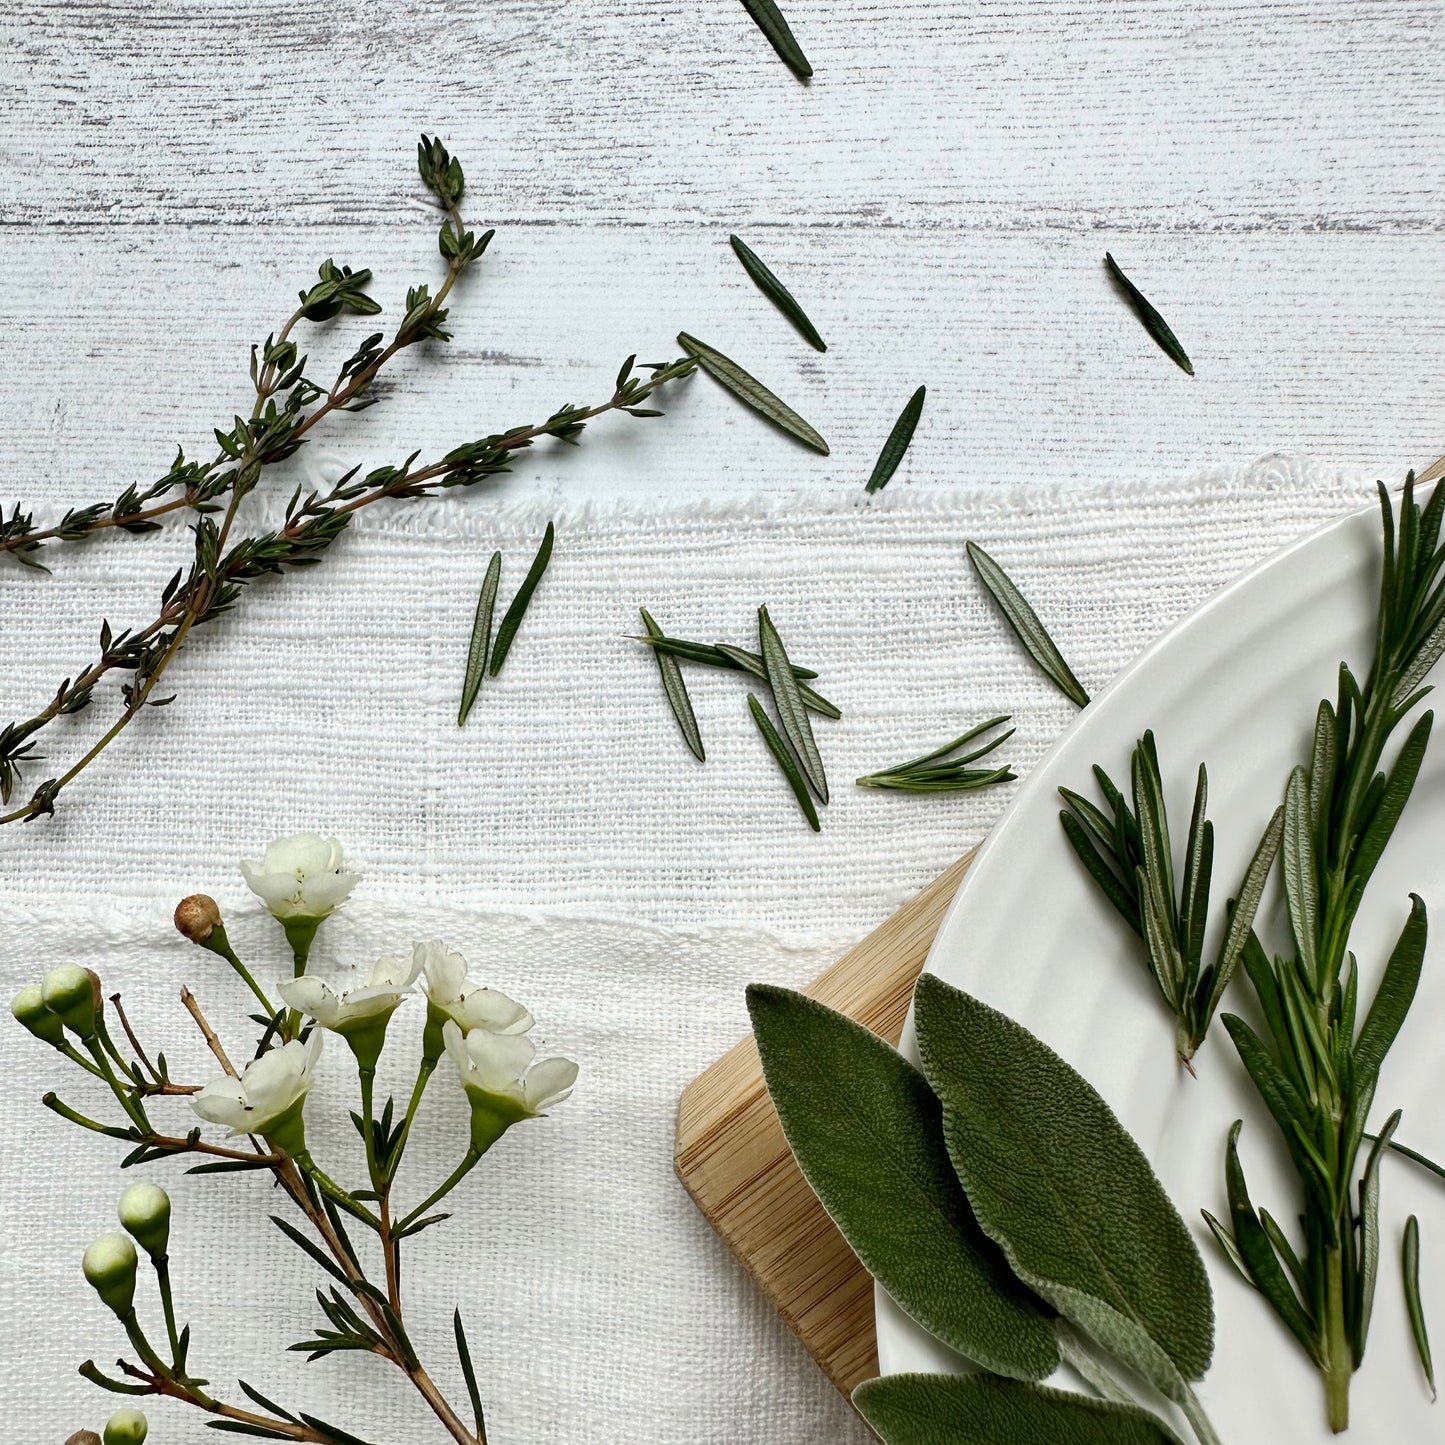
column 1300, row 878
column 1394, row 996
column 464, row 1354
column 777, row 293
column 1416, row 1158
column 936, row 772
column 1057, row 1183
column 1369, row 1259
column 239, row 1427
column 512, row 618
column 1410, row 1265
column 1225, row 1240
column 1277, row 1092
column 1151, row 320
column 985, row 1410
column 789, row 702
column 1026, row 625
column 867, row 1134
column 676, row 690
column 897, row 443
column 752, row 662
column 769, row 19
column 258, row 1398
column 739, row 659
column 785, row 760
column 750, row 390
column 1242, row 914
column 1396, row 794
column 481, row 641
column 1098, row 869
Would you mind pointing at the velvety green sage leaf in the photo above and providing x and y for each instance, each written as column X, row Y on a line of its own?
column 1410, row 1267
column 1152, row 321
column 512, row 619
column 791, row 708
column 481, row 637
column 750, row 390
column 676, row 690
column 985, row 1410
column 897, row 443
column 1026, row 625
column 776, row 292
column 784, row 758
column 1058, row 1184
column 769, row 19
column 867, row 1134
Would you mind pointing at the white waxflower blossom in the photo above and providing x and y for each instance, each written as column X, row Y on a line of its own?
column 453, row 997
column 267, row 1099
column 302, row 878
column 356, row 1008
column 503, row 1071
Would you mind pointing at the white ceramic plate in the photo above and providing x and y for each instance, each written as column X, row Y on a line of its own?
column 1235, row 686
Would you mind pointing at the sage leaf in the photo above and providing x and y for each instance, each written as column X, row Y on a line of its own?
column 769, row 19
column 789, row 701
column 1151, row 320
column 512, row 619
column 1058, row 1184
column 783, row 756
column 776, row 292
column 1410, row 1266
column 986, row 1410
column 867, row 1133
column 897, row 442
column 676, row 690
column 481, row 637
column 750, row 390
column 1026, row 625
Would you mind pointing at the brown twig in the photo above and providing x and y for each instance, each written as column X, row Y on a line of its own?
column 188, row 999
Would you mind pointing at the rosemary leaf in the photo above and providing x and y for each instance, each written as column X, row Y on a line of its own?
column 512, row 619
column 784, row 758
column 750, row 390
column 1152, row 321
column 739, row 659
column 1415, row 1157
column 1026, row 625
column 777, row 293
column 897, row 442
column 790, row 705
column 481, row 637
column 936, row 772
column 752, row 662
column 676, row 690
column 1410, row 1264
column 769, row 19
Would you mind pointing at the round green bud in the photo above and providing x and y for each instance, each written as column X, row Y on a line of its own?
column 145, row 1215
column 28, row 1008
column 126, row 1427
column 73, row 993
column 109, row 1266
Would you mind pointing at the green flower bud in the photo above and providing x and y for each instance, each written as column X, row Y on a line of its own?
column 145, row 1214
column 110, row 1265
column 126, row 1427
column 28, row 1007
column 73, row 993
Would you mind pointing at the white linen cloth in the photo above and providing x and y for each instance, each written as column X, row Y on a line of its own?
column 567, row 842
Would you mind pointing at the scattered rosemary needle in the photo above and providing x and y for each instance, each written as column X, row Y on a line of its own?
column 739, row 659
column 481, row 637
column 897, row 443
column 777, row 293
column 676, row 690
column 769, row 19
column 750, row 390
column 785, row 760
column 512, row 619
column 1151, row 320
column 1410, row 1264
column 936, row 772
column 789, row 702
column 1026, row 625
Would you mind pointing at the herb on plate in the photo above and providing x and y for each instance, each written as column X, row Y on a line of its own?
column 749, row 389
column 1149, row 318
column 777, row 293
column 1026, row 625
column 937, row 772
column 897, row 443
column 769, row 19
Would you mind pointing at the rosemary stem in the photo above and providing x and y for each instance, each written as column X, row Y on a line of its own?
column 1339, row 1359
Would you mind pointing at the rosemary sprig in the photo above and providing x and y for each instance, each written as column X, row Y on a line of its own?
column 769, row 19
column 787, row 698
column 676, row 690
column 937, row 772
column 1149, row 318
column 777, row 293
column 749, row 389
column 1410, row 1270
column 481, row 640
column 897, row 443
column 512, row 618
column 1026, row 625
column 783, row 756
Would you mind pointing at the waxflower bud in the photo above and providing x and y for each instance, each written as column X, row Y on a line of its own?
column 28, row 1008
column 73, row 993
column 84, row 1437
column 126, row 1427
column 109, row 1266
column 145, row 1214
column 197, row 917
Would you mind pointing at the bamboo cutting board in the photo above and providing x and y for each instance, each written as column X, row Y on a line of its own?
column 734, row 1162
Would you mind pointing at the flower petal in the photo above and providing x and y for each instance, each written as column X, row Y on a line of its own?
column 499, row 1061
column 549, row 1081
column 492, row 1010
